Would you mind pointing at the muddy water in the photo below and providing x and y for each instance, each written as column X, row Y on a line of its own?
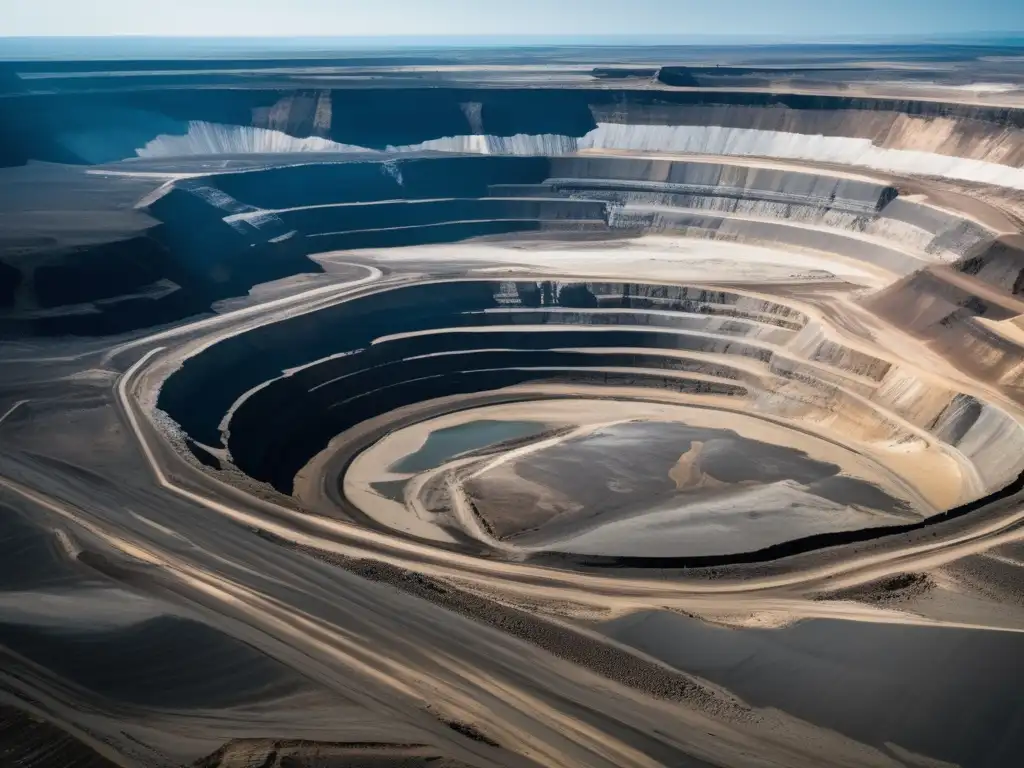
column 443, row 444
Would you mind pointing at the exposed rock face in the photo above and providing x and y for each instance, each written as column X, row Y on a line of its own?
column 389, row 363
column 368, row 357
column 221, row 234
column 779, row 188
column 963, row 141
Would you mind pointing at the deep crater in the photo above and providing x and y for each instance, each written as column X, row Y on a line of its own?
column 727, row 403
column 572, row 405
column 733, row 320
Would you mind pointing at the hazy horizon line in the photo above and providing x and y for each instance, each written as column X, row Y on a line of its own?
column 142, row 47
column 809, row 39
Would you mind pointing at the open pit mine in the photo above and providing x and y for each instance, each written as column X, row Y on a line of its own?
column 580, row 408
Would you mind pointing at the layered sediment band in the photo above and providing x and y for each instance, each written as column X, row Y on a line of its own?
column 845, row 440
column 723, row 320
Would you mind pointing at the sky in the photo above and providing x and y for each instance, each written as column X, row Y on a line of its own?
column 788, row 19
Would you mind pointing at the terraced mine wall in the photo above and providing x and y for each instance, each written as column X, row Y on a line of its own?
column 108, row 126
column 688, row 341
column 189, row 259
column 375, row 374
column 216, row 236
column 490, row 162
column 274, row 397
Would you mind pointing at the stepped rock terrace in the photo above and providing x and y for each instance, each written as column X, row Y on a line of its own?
column 514, row 408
